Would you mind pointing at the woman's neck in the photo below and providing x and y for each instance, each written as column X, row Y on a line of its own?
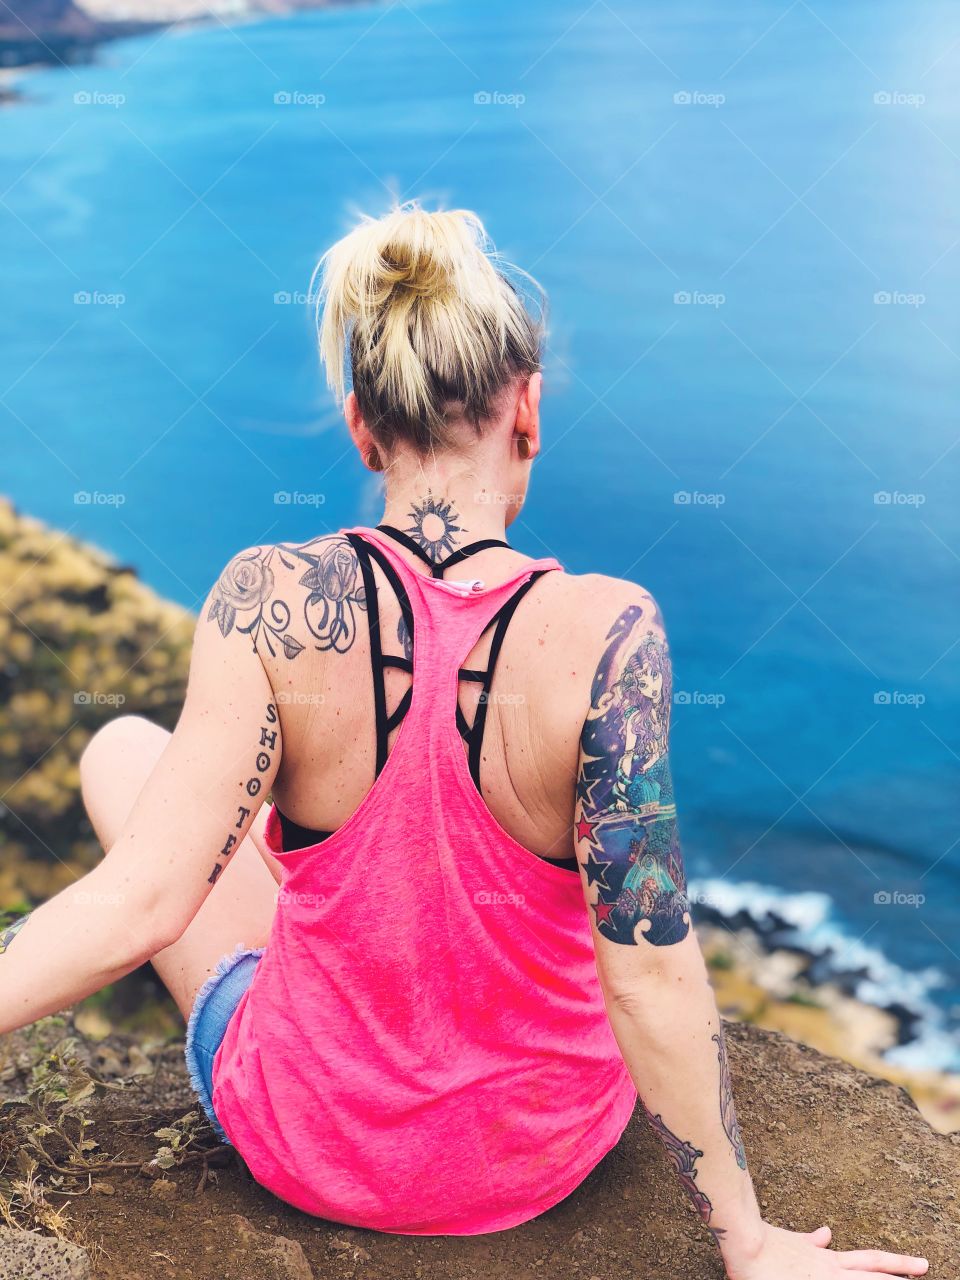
column 445, row 507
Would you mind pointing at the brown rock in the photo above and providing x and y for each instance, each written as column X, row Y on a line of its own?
column 268, row 1256
column 851, row 1154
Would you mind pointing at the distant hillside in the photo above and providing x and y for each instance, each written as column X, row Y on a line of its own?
column 81, row 641
column 45, row 31
column 59, row 31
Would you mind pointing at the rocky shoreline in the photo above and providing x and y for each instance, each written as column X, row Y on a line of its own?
column 771, row 987
column 61, row 33
column 82, row 640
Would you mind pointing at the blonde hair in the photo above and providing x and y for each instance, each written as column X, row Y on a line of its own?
column 436, row 325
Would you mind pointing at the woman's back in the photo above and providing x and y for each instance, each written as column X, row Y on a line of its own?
column 428, row 996
column 308, row 611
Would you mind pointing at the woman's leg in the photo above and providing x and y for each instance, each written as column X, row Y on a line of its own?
column 240, row 908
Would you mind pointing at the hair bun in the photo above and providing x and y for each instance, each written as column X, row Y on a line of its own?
column 430, row 317
column 415, row 268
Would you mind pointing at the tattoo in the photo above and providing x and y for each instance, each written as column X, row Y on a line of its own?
column 684, row 1157
column 628, row 818
column 269, row 734
column 728, row 1112
column 336, row 593
column 405, row 639
column 334, row 596
column 10, row 931
column 434, row 526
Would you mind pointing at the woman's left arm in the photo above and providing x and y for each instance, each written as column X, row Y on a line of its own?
column 193, row 811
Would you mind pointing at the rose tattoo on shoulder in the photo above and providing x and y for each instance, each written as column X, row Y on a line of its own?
column 244, row 597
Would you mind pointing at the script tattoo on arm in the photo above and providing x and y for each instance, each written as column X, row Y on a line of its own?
column 684, row 1157
column 626, row 833
column 269, row 734
column 244, row 596
column 9, row 931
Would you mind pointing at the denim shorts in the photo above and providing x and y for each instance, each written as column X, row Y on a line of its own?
column 214, row 1006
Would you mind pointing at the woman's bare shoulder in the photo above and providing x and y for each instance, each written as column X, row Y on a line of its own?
column 599, row 600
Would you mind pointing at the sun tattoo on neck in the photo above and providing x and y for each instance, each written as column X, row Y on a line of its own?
column 433, row 525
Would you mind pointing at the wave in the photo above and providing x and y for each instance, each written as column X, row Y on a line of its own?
column 806, row 922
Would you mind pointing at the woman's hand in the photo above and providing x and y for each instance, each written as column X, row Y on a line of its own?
column 797, row 1255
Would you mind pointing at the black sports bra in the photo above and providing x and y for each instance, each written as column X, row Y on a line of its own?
column 297, row 837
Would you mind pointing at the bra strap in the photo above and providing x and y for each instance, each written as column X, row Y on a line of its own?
column 473, row 734
column 437, row 567
column 379, row 661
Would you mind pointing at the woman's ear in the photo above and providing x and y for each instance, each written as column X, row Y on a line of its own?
column 351, row 411
column 360, row 434
column 528, row 413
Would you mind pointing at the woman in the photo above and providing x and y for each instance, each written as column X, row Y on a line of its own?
column 425, row 985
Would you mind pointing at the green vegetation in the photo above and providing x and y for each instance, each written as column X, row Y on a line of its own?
column 52, row 1148
column 81, row 641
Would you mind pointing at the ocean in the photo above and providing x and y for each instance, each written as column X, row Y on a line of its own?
column 745, row 220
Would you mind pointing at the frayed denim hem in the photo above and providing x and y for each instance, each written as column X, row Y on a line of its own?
column 215, row 1003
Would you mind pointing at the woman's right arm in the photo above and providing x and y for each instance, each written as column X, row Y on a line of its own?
column 655, row 983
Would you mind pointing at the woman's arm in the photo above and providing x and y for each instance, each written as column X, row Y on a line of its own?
column 655, row 983
column 194, row 810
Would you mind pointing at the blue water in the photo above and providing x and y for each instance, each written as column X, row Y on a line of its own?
column 797, row 398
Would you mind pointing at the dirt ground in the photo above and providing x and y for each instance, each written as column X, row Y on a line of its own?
column 826, row 1143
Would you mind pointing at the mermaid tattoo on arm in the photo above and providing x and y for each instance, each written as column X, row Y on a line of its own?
column 627, row 817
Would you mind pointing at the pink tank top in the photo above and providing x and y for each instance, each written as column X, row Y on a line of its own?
column 424, row 1047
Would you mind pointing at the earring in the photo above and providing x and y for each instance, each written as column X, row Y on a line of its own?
column 523, row 447
column 373, row 459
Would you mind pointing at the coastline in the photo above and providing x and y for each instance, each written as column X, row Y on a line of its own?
column 768, row 986
column 62, row 33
